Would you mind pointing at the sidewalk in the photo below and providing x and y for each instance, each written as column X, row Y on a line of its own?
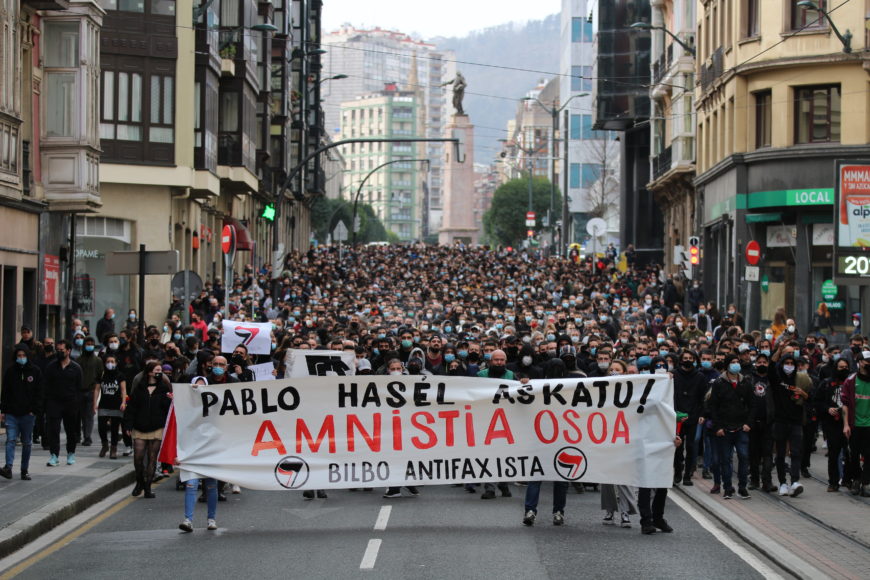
column 28, row 509
column 815, row 535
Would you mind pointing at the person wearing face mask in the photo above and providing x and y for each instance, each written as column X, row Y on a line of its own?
column 144, row 418
column 92, row 370
column 855, row 397
column 760, row 436
column 239, row 363
column 827, row 403
column 732, row 412
column 526, row 363
column 20, row 404
column 63, row 393
column 111, row 392
column 496, row 370
column 690, row 386
column 789, row 410
column 703, row 321
column 220, row 374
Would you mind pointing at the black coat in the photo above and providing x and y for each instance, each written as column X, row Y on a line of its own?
column 147, row 411
column 22, row 390
column 63, row 388
column 690, row 387
column 731, row 406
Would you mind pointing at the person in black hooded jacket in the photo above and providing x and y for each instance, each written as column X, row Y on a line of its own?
column 760, row 437
column 732, row 411
column 144, row 419
column 690, row 386
column 526, row 363
column 20, row 403
column 828, row 405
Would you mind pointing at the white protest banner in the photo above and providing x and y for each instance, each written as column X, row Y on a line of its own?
column 254, row 335
column 337, row 432
column 301, row 362
column 263, row 372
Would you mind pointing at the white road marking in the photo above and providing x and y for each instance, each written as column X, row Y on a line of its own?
column 368, row 560
column 383, row 517
column 744, row 554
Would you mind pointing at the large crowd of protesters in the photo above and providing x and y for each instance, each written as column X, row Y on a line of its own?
column 763, row 394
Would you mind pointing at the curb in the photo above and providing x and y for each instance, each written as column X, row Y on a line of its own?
column 30, row 527
column 770, row 549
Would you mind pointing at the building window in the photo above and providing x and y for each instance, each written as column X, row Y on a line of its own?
column 763, row 119
column 591, row 173
column 574, row 176
column 802, row 17
column 122, row 106
column 61, row 77
column 817, row 114
column 581, row 30
column 576, row 78
column 162, row 106
column 752, row 8
column 574, row 130
column 587, row 79
column 586, row 132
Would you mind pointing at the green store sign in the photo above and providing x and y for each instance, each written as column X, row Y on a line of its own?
column 821, row 196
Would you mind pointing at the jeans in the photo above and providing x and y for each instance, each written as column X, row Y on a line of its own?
column 560, row 493
column 211, row 496
column 732, row 440
column 785, row 434
column 19, row 425
column 711, row 456
column 649, row 514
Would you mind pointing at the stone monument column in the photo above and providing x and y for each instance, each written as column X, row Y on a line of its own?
column 459, row 223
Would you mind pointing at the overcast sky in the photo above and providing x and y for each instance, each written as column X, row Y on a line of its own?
column 439, row 18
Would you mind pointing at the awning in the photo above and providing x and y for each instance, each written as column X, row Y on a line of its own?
column 817, row 218
column 758, row 218
column 244, row 243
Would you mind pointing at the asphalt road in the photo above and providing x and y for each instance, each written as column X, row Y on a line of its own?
column 443, row 533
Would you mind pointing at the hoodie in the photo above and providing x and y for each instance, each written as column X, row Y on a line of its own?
column 788, row 408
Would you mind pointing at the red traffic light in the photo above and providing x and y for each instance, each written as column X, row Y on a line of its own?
column 530, row 233
column 694, row 255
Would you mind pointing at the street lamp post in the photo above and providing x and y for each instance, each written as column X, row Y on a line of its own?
column 845, row 39
column 554, row 113
column 363, row 182
column 677, row 39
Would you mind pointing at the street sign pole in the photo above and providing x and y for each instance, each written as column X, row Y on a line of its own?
column 186, row 297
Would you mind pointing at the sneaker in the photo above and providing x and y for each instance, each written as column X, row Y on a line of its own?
column 796, row 489
column 805, row 473
column 321, row 494
column 186, row 525
column 489, row 494
column 705, row 474
column 413, row 490
column 25, row 476
column 624, row 522
column 558, row 518
column 783, row 489
column 212, row 525
column 87, row 443
column 856, row 488
column 662, row 524
column 715, row 489
column 236, row 489
column 743, row 493
column 529, row 518
column 308, row 494
column 71, row 459
column 392, row 494
column 128, row 451
column 6, row 471
column 729, row 493
column 865, row 490
column 608, row 519
column 647, row 529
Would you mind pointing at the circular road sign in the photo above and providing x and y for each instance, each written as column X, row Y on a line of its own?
column 753, row 253
column 228, row 239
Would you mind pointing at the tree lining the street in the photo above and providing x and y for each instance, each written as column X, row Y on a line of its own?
column 505, row 222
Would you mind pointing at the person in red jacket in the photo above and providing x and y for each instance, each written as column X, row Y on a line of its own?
column 200, row 326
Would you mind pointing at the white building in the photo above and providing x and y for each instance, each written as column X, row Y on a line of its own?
column 593, row 156
column 373, row 58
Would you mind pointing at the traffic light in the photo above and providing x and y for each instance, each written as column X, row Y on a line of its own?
column 694, row 251
column 268, row 212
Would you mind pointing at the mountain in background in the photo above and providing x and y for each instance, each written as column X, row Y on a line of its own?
column 494, row 84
